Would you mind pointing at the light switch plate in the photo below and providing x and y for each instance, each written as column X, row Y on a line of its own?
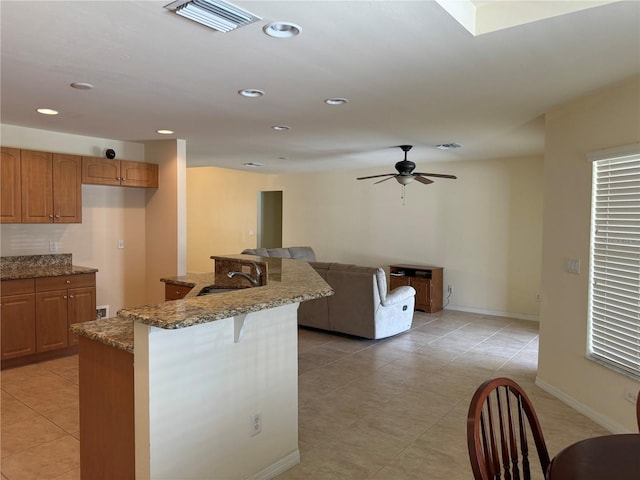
column 572, row 265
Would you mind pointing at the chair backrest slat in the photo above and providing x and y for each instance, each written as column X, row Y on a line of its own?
column 499, row 423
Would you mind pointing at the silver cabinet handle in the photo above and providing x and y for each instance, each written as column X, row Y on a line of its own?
column 64, row 296
column 70, row 296
column 68, row 281
column 51, row 216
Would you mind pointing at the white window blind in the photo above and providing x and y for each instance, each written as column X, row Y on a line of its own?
column 614, row 310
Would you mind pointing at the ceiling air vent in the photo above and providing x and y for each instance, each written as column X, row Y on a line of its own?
column 216, row 14
column 448, row 146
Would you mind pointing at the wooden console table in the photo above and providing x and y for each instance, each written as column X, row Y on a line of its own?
column 426, row 280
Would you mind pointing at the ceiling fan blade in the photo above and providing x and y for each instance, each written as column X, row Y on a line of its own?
column 420, row 179
column 383, row 180
column 440, row 175
column 376, row 176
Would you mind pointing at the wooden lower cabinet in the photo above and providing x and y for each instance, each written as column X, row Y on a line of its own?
column 18, row 325
column 81, row 308
column 51, row 321
column 35, row 321
column 427, row 282
column 175, row 292
column 107, row 449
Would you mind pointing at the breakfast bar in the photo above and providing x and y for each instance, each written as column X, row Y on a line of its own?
column 199, row 388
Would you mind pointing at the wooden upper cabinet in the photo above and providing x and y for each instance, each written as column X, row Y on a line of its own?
column 51, row 188
column 67, row 188
column 37, row 186
column 139, row 174
column 10, row 188
column 102, row 171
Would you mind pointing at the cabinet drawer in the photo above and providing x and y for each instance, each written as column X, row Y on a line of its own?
column 62, row 282
column 16, row 287
column 175, row 292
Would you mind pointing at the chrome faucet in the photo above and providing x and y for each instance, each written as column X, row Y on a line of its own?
column 254, row 281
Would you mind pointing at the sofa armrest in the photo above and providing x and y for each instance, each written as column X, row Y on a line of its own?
column 398, row 295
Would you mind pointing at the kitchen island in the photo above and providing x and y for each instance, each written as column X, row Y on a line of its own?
column 208, row 383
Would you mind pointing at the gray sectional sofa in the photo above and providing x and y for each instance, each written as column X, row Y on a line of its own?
column 361, row 305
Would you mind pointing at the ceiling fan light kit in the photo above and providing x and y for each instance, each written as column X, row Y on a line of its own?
column 406, row 173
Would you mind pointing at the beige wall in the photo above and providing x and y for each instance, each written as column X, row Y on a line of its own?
column 222, row 209
column 602, row 120
column 165, row 227
column 109, row 214
column 484, row 228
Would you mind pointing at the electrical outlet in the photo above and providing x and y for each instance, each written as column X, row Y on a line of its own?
column 102, row 311
column 536, row 297
column 630, row 396
column 53, row 246
column 449, row 289
column 255, row 424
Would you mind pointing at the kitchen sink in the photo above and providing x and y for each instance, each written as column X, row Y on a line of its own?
column 212, row 289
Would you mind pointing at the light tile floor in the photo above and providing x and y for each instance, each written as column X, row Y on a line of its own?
column 391, row 409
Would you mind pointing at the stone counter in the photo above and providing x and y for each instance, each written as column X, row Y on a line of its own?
column 37, row 266
column 288, row 281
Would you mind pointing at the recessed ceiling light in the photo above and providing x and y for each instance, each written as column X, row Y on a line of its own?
column 251, row 92
column 81, row 86
column 448, row 146
column 253, row 164
column 336, row 101
column 281, row 128
column 47, row 111
column 282, row 29
column 165, row 132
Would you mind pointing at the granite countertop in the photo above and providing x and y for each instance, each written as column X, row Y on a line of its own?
column 34, row 266
column 115, row 332
column 288, row 281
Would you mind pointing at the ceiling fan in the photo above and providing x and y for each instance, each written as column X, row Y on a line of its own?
column 406, row 172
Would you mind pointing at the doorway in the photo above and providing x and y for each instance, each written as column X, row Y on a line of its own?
column 269, row 219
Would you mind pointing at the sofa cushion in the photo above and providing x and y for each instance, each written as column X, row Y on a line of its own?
column 303, row 253
column 279, row 252
column 297, row 253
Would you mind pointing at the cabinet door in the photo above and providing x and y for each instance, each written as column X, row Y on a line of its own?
column 138, row 174
column 51, row 320
column 82, row 308
column 423, row 293
column 37, row 186
column 67, row 188
column 175, row 292
column 395, row 281
column 17, row 316
column 10, row 190
column 100, row 171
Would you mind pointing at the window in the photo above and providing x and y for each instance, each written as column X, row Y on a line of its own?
column 614, row 296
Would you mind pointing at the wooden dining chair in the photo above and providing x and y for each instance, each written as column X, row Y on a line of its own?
column 500, row 425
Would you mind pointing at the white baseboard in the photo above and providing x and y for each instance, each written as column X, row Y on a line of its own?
column 495, row 313
column 600, row 419
column 275, row 469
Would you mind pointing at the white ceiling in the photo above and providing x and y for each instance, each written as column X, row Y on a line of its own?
column 411, row 72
